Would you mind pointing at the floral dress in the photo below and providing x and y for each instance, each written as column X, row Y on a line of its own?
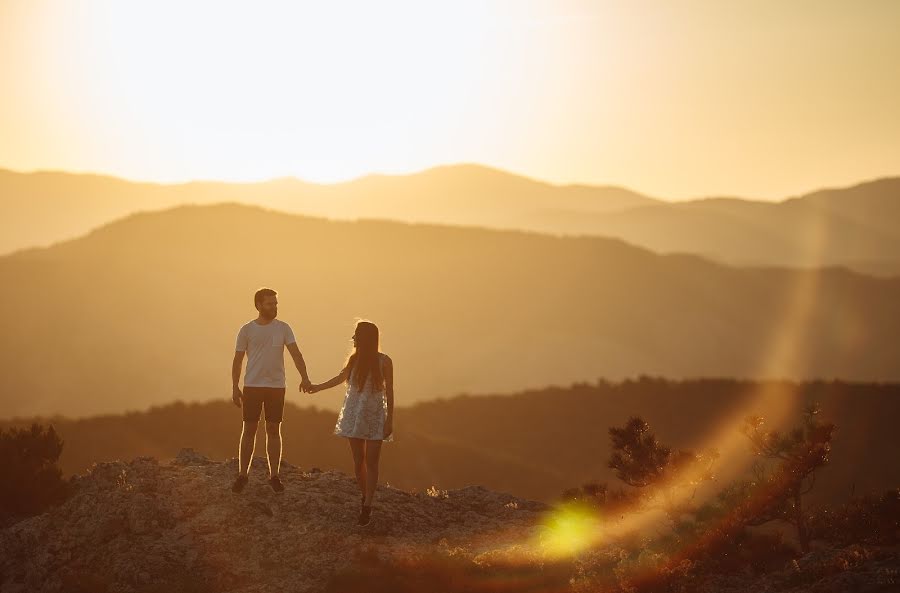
column 364, row 411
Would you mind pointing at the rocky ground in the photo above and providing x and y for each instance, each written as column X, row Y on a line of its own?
column 145, row 527
column 853, row 569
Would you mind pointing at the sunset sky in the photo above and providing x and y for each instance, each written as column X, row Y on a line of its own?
column 761, row 99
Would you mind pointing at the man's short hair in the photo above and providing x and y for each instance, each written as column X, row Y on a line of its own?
column 261, row 294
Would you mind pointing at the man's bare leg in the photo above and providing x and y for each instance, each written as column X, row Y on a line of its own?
column 247, row 445
column 273, row 447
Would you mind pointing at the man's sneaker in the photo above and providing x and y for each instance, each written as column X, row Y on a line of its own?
column 365, row 515
column 239, row 482
column 275, row 483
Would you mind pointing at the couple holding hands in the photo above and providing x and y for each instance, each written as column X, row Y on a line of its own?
column 365, row 419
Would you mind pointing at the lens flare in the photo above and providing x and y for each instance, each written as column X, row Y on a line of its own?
column 570, row 528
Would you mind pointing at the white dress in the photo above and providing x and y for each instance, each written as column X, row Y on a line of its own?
column 364, row 411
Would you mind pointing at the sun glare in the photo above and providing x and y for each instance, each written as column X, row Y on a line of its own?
column 568, row 529
column 325, row 90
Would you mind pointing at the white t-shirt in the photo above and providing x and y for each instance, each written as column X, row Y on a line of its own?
column 264, row 345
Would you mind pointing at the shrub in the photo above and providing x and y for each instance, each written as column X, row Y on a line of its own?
column 30, row 481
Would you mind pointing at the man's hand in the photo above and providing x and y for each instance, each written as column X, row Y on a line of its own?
column 236, row 395
column 306, row 385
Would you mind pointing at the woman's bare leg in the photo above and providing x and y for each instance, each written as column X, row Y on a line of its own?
column 358, row 448
column 373, row 453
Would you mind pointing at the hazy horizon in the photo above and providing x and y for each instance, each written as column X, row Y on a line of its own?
column 437, row 166
column 761, row 101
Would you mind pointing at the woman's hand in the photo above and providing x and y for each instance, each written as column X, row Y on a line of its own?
column 388, row 426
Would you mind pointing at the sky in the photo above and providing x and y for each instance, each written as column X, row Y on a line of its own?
column 762, row 99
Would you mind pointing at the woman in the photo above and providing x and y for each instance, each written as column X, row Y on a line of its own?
column 367, row 416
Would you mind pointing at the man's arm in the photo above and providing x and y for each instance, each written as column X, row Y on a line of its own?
column 236, row 366
column 300, row 364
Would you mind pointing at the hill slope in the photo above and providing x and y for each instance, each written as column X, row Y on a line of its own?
column 855, row 226
column 537, row 443
column 45, row 207
column 145, row 310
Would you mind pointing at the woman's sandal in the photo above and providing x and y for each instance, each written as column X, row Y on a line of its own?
column 365, row 515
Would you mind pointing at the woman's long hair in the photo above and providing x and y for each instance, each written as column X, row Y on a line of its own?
column 364, row 357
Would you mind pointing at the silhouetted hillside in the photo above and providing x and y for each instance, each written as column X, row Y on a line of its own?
column 537, row 443
column 145, row 310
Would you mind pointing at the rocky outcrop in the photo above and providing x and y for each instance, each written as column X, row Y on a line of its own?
column 144, row 526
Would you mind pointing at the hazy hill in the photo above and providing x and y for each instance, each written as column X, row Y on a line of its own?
column 856, row 226
column 536, row 443
column 43, row 207
column 145, row 310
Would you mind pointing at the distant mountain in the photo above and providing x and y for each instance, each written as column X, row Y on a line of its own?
column 37, row 209
column 145, row 310
column 857, row 227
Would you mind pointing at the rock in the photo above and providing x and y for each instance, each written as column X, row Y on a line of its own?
column 141, row 525
column 188, row 456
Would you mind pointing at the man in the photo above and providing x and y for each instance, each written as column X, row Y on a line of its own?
column 263, row 339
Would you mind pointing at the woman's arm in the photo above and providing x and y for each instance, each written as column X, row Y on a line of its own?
column 336, row 380
column 389, row 393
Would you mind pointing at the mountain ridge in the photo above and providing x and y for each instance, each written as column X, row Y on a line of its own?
column 855, row 222
column 583, row 307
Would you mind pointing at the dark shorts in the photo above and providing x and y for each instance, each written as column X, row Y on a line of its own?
column 257, row 398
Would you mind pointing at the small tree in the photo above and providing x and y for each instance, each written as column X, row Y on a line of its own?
column 30, row 480
column 657, row 470
column 799, row 454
